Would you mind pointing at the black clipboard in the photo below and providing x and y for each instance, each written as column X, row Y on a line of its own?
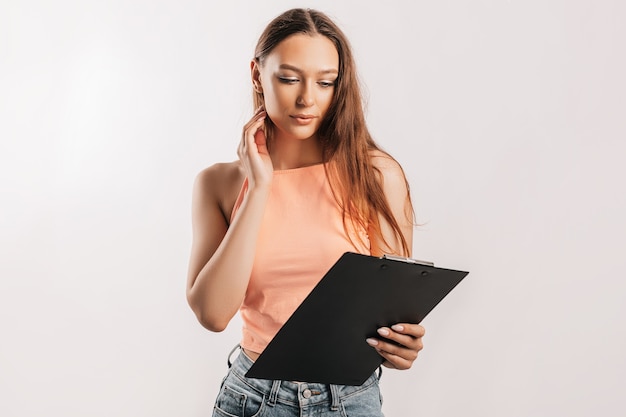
column 324, row 339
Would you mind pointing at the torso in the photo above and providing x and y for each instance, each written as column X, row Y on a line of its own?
column 301, row 236
column 226, row 180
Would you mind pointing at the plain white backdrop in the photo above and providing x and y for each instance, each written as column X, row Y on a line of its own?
column 508, row 116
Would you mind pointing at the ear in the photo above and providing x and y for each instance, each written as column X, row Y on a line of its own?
column 256, row 76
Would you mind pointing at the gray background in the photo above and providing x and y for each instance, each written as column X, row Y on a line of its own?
column 508, row 117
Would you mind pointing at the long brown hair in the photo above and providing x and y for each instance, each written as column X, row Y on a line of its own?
column 343, row 133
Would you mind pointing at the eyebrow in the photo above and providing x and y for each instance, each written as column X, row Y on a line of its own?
column 296, row 69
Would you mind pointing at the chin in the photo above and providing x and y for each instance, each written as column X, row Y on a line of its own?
column 297, row 133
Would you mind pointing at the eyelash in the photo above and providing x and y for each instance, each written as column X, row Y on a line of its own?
column 290, row 81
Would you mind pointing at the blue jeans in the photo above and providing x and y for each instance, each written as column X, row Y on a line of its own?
column 249, row 397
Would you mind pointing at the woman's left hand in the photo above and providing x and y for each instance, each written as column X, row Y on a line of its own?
column 402, row 353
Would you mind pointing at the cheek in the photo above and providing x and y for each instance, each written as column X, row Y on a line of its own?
column 272, row 106
column 276, row 102
column 326, row 101
column 269, row 95
column 272, row 115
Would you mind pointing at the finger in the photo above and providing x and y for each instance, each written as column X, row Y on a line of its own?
column 254, row 120
column 259, row 113
column 248, row 136
column 403, row 351
column 408, row 340
column 252, row 134
column 261, row 141
column 251, row 129
column 394, row 361
column 409, row 353
column 410, row 329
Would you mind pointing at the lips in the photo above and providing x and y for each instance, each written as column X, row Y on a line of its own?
column 303, row 119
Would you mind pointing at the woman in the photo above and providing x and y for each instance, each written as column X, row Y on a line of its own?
column 309, row 185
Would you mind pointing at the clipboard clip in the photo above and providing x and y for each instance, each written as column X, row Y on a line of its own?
column 407, row 260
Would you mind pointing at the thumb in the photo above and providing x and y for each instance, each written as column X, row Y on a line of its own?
column 261, row 141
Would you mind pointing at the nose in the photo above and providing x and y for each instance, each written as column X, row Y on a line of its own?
column 305, row 98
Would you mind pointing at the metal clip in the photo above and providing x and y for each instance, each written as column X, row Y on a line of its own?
column 407, row 260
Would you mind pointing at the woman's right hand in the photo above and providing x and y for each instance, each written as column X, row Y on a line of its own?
column 253, row 152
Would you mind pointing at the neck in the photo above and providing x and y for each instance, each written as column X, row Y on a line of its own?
column 295, row 153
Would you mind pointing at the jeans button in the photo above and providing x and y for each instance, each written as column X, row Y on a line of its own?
column 306, row 393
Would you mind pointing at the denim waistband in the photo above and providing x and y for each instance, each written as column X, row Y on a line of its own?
column 294, row 392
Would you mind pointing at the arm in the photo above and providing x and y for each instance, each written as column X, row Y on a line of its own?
column 222, row 255
column 408, row 336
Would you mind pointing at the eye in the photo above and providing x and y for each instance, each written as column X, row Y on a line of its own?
column 288, row 80
column 326, row 84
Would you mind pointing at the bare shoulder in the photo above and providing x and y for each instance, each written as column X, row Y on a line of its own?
column 220, row 184
column 220, row 173
column 396, row 190
column 390, row 170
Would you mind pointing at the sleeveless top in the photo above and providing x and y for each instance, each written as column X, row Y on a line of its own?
column 301, row 237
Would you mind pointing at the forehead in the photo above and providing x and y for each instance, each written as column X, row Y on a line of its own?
column 309, row 53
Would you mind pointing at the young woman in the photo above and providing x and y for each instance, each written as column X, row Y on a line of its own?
column 309, row 185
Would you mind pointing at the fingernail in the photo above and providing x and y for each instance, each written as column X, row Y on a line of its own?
column 371, row 342
column 383, row 332
column 397, row 327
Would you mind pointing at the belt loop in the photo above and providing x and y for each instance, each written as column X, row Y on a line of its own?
column 380, row 372
column 334, row 397
column 274, row 393
column 231, row 354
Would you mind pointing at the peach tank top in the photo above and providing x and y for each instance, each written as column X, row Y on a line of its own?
column 301, row 237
